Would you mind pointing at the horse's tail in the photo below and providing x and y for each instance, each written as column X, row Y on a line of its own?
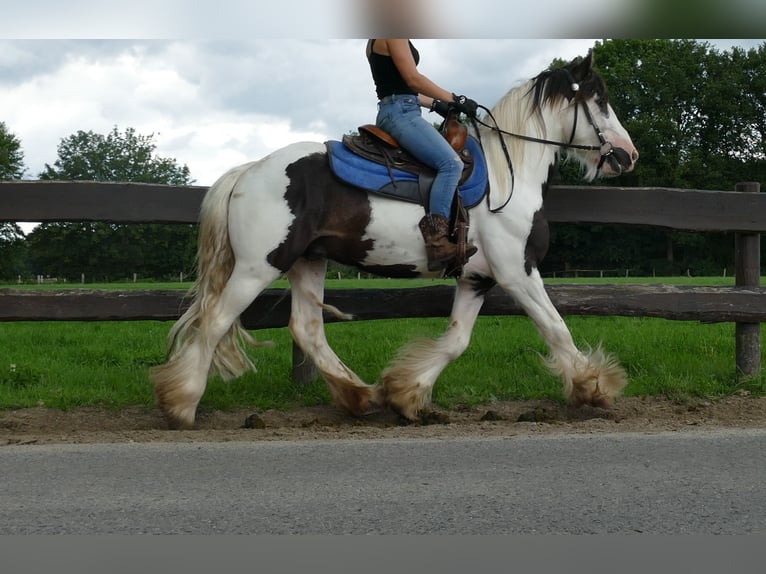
column 215, row 263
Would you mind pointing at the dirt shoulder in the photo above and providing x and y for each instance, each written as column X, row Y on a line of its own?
column 649, row 415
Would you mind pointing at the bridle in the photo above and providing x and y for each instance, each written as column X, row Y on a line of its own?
column 605, row 147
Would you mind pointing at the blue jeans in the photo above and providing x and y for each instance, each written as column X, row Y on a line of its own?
column 400, row 116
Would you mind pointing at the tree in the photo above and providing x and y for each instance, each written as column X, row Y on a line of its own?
column 105, row 251
column 697, row 116
column 13, row 252
column 657, row 89
column 12, row 247
column 115, row 156
column 11, row 156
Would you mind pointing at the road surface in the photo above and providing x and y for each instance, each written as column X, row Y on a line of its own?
column 681, row 482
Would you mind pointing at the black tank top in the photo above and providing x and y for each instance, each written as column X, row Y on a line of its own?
column 387, row 78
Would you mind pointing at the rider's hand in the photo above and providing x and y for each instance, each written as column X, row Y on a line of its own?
column 465, row 105
column 441, row 108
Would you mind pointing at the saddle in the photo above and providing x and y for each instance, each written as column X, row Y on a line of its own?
column 377, row 145
column 452, row 130
column 374, row 161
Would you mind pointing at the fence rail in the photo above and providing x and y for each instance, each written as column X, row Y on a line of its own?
column 272, row 308
column 685, row 209
column 742, row 211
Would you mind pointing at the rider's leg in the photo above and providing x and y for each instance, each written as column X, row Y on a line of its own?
column 401, row 117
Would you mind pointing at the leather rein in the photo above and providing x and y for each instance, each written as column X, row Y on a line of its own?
column 605, row 147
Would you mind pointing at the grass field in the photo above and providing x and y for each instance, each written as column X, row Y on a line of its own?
column 376, row 283
column 72, row 364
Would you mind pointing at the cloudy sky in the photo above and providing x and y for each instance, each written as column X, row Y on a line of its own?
column 213, row 104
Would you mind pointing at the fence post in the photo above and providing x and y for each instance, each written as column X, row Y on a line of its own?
column 304, row 369
column 747, row 255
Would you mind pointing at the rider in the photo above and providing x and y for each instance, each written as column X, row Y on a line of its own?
column 402, row 90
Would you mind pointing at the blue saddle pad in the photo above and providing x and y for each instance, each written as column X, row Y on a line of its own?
column 375, row 177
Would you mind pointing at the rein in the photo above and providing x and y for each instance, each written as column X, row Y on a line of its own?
column 605, row 153
column 496, row 128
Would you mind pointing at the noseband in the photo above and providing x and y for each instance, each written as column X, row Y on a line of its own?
column 605, row 147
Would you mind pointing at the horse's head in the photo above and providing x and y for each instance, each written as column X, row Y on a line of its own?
column 587, row 120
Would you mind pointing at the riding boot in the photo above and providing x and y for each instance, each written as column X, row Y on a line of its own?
column 439, row 249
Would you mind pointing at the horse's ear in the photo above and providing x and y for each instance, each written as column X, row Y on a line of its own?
column 583, row 67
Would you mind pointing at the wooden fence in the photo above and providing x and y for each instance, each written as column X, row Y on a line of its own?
column 742, row 211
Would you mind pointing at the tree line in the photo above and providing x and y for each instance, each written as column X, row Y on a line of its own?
column 100, row 251
column 698, row 118
column 696, row 114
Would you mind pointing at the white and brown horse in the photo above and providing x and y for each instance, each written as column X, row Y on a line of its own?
column 288, row 214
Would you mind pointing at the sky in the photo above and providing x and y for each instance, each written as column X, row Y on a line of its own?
column 216, row 103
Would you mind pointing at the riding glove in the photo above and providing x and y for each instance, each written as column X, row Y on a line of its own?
column 465, row 105
column 442, row 108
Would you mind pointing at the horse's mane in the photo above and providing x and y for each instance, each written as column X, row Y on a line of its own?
column 520, row 111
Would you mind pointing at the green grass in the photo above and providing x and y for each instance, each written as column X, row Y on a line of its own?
column 127, row 286
column 375, row 283
column 703, row 281
column 66, row 365
column 71, row 364
column 379, row 283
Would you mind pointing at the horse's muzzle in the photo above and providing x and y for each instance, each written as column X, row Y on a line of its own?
column 618, row 160
column 623, row 157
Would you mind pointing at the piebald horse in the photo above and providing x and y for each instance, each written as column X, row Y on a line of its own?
column 288, row 214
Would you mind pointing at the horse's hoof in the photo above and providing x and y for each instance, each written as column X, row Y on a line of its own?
column 178, row 420
column 408, row 415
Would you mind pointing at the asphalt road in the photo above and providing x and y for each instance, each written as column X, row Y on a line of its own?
column 695, row 482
